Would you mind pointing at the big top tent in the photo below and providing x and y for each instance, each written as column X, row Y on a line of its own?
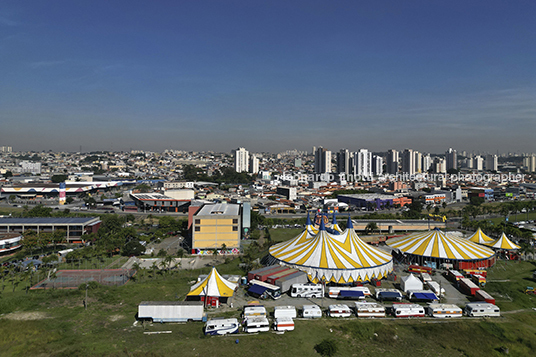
column 437, row 246
column 340, row 258
column 480, row 237
column 503, row 243
column 214, row 285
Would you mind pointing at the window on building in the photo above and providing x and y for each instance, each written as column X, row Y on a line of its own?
column 235, row 221
column 197, row 221
column 197, row 229
column 235, row 228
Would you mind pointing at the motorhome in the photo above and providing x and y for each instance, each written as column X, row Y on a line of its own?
column 284, row 324
column 311, row 311
column 408, row 310
column 443, row 310
column 221, row 326
column 369, row 309
column 342, row 292
column 307, row 290
column 254, row 311
column 256, row 324
column 264, row 290
column 481, row 309
column 339, row 310
column 285, row 311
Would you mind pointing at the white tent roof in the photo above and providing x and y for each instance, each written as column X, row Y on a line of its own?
column 503, row 243
column 213, row 285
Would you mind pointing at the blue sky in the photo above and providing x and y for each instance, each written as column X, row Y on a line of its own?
column 268, row 75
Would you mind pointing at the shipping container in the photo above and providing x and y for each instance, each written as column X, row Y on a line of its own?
column 272, row 278
column 285, row 283
column 484, row 296
column 467, row 286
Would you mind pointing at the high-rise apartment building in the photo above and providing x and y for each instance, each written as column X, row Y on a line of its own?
column 322, row 161
column 363, row 160
column 451, row 158
column 426, row 162
column 241, row 160
column 529, row 162
column 492, row 162
column 253, row 164
column 478, row 163
column 392, row 162
column 408, row 162
column 377, row 165
column 343, row 162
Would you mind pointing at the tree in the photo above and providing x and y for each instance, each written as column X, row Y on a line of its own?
column 371, row 227
column 12, row 198
column 8, row 174
column 59, row 178
column 326, row 347
column 69, row 200
column 30, row 240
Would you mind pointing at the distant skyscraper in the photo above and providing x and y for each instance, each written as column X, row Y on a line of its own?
column 253, row 164
column 426, row 162
column 343, row 162
column 241, row 160
column 392, row 162
column 418, row 162
column 363, row 163
column 492, row 163
column 377, row 165
column 529, row 162
column 439, row 165
column 408, row 162
column 451, row 159
column 322, row 161
column 478, row 163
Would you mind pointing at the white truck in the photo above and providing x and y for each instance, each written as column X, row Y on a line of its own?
column 172, row 311
column 307, row 290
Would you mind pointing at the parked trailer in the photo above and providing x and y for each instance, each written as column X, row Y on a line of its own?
column 221, row 326
column 369, row 309
column 482, row 272
column 285, row 283
column 425, row 277
column 388, row 294
column 256, row 324
column 422, row 295
column 361, row 292
column 285, row 311
column 419, row 269
column 339, row 310
column 311, row 311
column 468, row 286
column 454, row 275
column 408, row 310
column 444, row 310
column 251, row 274
column 265, row 274
column 308, row 290
column 264, row 290
column 283, row 324
column 254, row 311
column 479, row 280
column 273, row 278
column 436, row 288
column 484, row 296
column 172, row 311
column 481, row 309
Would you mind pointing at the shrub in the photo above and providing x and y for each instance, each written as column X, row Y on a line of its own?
column 326, row 348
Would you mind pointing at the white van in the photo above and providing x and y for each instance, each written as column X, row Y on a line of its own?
column 408, row 310
column 308, row 290
column 284, row 324
column 254, row 311
column 221, row 326
column 369, row 309
column 340, row 292
column 256, row 324
column 339, row 310
column 443, row 310
column 311, row 311
column 482, row 309
column 285, row 311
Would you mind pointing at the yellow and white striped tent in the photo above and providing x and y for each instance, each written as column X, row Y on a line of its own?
column 503, row 243
column 342, row 258
column 480, row 237
column 213, row 285
column 437, row 244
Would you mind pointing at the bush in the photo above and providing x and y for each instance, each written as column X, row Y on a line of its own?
column 326, row 348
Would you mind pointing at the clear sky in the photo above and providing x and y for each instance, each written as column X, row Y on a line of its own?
column 268, row 75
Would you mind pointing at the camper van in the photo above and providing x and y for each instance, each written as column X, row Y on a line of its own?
column 443, row 310
column 256, row 324
column 408, row 310
column 311, row 311
column 307, row 290
column 482, row 309
column 341, row 292
column 339, row 310
column 284, row 324
column 221, row 326
column 285, row 311
column 369, row 309
column 254, row 311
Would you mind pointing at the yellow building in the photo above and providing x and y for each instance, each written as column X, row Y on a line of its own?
column 215, row 225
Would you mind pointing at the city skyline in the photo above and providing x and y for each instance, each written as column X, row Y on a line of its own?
column 215, row 76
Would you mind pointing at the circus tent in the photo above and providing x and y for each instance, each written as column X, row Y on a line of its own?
column 503, row 243
column 480, row 237
column 340, row 258
column 213, row 287
column 437, row 247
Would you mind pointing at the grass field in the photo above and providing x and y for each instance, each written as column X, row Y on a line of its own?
column 55, row 323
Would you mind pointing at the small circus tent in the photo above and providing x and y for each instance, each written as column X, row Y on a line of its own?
column 435, row 247
column 340, row 258
column 214, row 289
column 503, row 243
column 480, row 237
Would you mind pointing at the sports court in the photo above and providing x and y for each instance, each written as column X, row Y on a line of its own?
column 71, row 279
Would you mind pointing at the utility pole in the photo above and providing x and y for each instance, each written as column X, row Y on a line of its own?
column 85, row 301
